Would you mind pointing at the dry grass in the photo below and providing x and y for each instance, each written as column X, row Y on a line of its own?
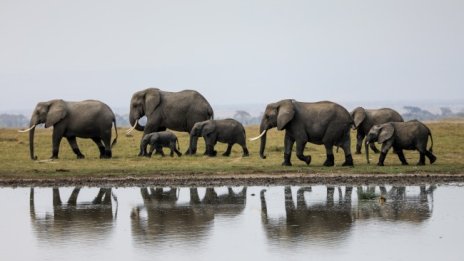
column 15, row 161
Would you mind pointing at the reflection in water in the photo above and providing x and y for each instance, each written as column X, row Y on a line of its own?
column 73, row 220
column 396, row 204
column 161, row 217
column 330, row 221
column 326, row 221
column 280, row 219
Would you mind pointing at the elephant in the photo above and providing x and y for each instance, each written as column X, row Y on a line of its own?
column 322, row 122
column 84, row 119
column 410, row 135
column 158, row 140
column 327, row 220
column 364, row 119
column 227, row 131
column 177, row 111
column 73, row 220
column 162, row 216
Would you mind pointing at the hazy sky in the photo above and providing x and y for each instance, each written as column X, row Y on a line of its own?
column 239, row 51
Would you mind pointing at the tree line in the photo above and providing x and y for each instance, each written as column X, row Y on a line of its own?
column 244, row 117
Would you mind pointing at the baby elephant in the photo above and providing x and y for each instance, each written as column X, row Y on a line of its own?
column 158, row 140
column 410, row 135
column 227, row 131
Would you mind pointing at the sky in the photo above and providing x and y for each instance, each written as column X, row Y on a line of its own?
column 233, row 52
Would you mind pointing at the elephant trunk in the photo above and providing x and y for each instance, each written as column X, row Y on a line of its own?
column 134, row 122
column 367, row 151
column 31, row 139
column 263, row 132
column 193, row 144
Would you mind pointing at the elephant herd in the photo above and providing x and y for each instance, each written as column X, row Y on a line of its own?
column 322, row 123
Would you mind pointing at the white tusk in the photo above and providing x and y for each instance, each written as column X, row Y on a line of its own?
column 260, row 135
column 33, row 126
column 133, row 127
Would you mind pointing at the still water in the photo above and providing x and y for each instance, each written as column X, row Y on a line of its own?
column 239, row 223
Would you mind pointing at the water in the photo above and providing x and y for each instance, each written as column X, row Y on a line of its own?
column 253, row 223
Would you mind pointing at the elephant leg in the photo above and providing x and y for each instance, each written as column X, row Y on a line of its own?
column 400, row 154
column 173, row 148
column 150, row 152
column 56, row 140
column 107, row 142
column 73, row 143
column 245, row 151
column 421, row 159
column 288, row 146
column 383, row 153
column 359, row 139
column 346, row 146
column 300, row 146
column 431, row 157
column 100, row 146
column 73, row 198
column 330, row 160
column 373, row 147
column 229, row 149
column 159, row 150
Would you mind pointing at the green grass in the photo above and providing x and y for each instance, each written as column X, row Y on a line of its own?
column 15, row 161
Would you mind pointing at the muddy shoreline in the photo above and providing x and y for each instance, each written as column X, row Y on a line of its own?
column 240, row 180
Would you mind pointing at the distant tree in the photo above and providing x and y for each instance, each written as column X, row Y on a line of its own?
column 416, row 113
column 446, row 112
column 242, row 116
column 13, row 121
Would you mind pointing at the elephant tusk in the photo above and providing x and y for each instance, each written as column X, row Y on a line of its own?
column 260, row 135
column 33, row 126
column 132, row 128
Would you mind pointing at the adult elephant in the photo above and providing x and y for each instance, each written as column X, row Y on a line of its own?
column 323, row 122
column 177, row 111
column 84, row 119
column 365, row 119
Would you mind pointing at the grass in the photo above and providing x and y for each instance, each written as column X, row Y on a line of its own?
column 15, row 161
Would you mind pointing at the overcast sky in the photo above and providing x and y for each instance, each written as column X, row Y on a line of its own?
column 233, row 52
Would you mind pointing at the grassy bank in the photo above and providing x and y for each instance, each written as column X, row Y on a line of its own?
column 15, row 161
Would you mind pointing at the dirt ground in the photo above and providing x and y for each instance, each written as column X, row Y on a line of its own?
column 216, row 180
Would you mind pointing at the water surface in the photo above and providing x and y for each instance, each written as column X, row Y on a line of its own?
column 239, row 223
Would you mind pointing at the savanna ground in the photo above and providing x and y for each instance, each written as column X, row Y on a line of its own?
column 16, row 167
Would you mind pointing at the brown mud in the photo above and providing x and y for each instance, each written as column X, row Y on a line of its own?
column 240, row 180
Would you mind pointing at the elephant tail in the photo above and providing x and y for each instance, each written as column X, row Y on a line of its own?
column 431, row 139
column 178, row 146
column 115, row 138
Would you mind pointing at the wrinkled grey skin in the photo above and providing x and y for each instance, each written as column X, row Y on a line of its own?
column 227, row 131
column 410, row 135
column 158, row 140
column 320, row 123
column 364, row 119
column 177, row 111
column 85, row 119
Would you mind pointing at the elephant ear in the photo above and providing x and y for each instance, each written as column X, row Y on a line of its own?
column 386, row 132
column 208, row 128
column 285, row 114
column 56, row 112
column 152, row 100
column 359, row 114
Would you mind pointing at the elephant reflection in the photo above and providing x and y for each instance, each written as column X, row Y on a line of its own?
column 162, row 216
column 395, row 204
column 91, row 220
column 319, row 221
